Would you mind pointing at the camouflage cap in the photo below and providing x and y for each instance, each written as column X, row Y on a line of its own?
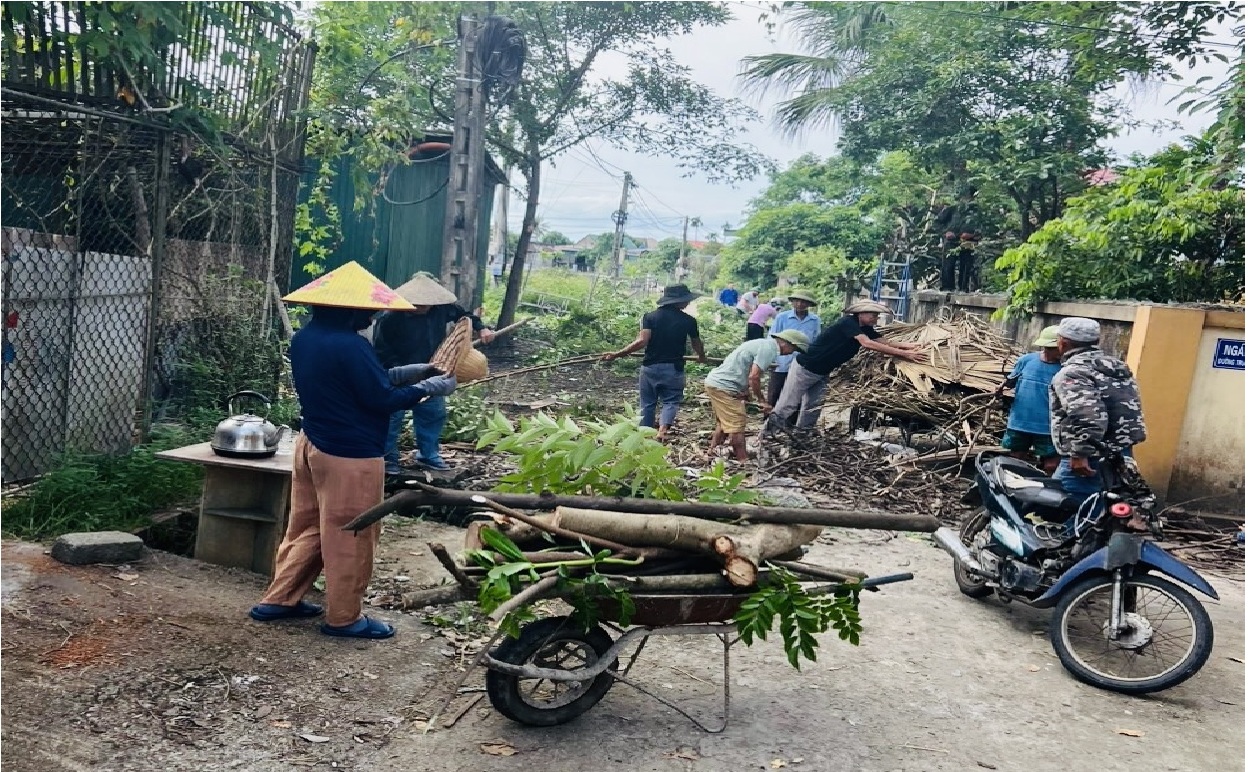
column 1078, row 329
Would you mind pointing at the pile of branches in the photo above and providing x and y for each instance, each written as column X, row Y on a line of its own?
column 1206, row 545
column 838, row 471
column 951, row 390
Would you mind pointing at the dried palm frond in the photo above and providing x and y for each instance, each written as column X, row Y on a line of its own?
column 453, row 348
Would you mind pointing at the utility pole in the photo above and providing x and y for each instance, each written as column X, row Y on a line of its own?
column 681, row 268
column 620, row 216
column 498, row 229
column 459, row 231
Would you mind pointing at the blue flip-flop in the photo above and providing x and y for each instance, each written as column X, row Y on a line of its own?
column 271, row 612
column 363, row 627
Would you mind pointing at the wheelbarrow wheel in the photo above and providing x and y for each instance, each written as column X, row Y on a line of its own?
column 556, row 643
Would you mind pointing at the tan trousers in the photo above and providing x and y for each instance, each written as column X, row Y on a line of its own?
column 326, row 493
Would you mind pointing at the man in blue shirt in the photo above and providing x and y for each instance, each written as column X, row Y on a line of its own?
column 1027, row 430
column 801, row 318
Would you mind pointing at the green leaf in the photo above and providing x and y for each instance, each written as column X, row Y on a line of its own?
column 501, row 544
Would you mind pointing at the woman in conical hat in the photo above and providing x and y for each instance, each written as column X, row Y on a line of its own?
column 346, row 397
column 407, row 337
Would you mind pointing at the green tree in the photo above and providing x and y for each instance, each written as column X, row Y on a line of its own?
column 655, row 107
column 1157, row 234
column 990, row 95
column 554, row 238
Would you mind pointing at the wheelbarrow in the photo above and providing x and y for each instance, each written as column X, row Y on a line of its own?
column 556, row 670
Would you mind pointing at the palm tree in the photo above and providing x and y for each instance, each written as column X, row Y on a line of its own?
column 833, row 36
column 695, row 223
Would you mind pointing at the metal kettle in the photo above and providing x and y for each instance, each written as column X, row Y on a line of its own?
column 246, row 435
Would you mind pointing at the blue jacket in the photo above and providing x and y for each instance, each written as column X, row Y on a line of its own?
column 343, row 390
column 1030, row 412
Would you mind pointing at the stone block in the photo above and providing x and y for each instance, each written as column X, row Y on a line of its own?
column 97, row 547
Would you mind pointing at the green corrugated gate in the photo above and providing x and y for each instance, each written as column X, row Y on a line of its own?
column 403, row 232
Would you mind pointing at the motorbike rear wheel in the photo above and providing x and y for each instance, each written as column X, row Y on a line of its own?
column 971, row 585
column 1167, row 639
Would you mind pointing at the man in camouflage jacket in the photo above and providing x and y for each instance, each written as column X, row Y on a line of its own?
column 1093, row 400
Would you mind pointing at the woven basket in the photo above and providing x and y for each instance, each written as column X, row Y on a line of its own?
column 472, row 365
column 457, row 343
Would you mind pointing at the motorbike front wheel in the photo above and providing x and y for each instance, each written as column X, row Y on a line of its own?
column 971, row 585
column 1166, row 635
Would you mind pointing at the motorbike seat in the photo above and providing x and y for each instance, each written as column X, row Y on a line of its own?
column 1034, row 490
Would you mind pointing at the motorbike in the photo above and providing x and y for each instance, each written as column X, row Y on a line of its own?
column 1120, row 620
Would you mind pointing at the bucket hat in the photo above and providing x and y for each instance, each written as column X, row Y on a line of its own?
column 801, row 294
column 798, row 338
column 1047, row 338
column 1077, row 329
column 349, row 286
column 867, row 307
column 677, row 294
column 424, row 290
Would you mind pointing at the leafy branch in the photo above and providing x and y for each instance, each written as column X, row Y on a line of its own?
column 802, row 615
column 503, row 580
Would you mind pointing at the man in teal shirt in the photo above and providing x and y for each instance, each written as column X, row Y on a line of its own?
column 739, row 378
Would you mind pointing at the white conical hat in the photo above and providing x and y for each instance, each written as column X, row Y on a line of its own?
column 424, row 290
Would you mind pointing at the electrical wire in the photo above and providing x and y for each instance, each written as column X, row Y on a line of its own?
column 392, row 202
column 500, row 52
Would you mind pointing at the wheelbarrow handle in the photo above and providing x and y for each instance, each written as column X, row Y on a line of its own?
column 875, row 581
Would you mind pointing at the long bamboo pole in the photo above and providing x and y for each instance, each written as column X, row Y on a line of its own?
column 429, row 496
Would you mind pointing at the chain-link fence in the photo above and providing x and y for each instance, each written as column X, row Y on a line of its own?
column 143, row 259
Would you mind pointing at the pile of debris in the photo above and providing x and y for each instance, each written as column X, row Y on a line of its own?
column 839, row 470
column 950, row 394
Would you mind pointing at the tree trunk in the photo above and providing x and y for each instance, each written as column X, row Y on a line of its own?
column 740, row 548
column 515, row 279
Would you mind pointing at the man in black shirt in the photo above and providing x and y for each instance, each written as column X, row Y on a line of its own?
column 837, row 343
column 408, row 337
column 663, row 334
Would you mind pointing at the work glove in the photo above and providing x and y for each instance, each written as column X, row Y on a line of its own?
column 437, row 385
column 406, row 375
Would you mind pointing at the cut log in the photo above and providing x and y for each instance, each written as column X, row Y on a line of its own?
column 740, row 547
column 421, row 495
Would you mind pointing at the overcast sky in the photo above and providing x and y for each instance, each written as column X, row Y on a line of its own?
column 579, row 194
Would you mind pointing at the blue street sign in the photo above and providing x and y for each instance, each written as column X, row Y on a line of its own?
column 1229, row 354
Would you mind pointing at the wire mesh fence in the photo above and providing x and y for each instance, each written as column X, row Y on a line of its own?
column 143, row 261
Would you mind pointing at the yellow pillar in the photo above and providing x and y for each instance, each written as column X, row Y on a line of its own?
column 1162, row 354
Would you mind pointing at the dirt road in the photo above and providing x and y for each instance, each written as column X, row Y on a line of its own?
column 156, row 667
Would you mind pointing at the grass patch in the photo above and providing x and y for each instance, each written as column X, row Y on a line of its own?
column 97, row 492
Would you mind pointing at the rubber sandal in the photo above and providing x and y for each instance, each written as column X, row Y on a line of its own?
column 271, row 612
column 363, row 627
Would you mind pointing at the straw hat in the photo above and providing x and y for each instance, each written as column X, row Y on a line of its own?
column 454, row 346
column 472, row 365
column 798, row 338
column 867, row 307
column 349, row 286
column 801, row 294
column 424, row 290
